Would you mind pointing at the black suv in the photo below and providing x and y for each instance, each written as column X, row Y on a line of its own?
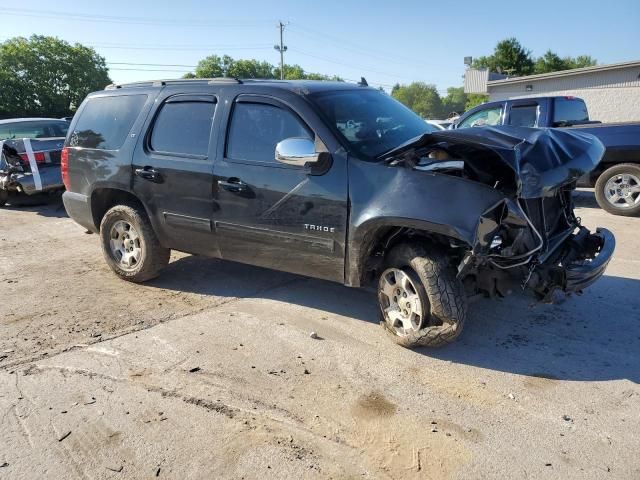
column 335, row 181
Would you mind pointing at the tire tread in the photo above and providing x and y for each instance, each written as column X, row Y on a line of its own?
column 446, row 295
column 156, row 257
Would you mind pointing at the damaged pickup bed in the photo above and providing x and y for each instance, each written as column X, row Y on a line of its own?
column 29, row 167
column 521, row 226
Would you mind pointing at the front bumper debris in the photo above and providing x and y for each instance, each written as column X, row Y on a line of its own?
column 578, row 263
column 580, row 275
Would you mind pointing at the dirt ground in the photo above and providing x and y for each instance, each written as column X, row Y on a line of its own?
column 210, row 372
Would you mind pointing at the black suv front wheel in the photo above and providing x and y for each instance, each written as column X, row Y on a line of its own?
column 129, row 244
column 422, row 303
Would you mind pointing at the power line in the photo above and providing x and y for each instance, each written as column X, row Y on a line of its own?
column 176, row 48
column 350, row 65
column 149, row 70
column 348, row 44
column 185, row 47
column 319, row 38
column 151, row 64
column 23, row 12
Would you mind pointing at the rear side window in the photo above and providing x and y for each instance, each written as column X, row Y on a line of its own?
column 183, row 127
column 523, row 115
column 482, row 118
column 257, row 128
column 33, row 129
column 105, row 122
column 569, row 111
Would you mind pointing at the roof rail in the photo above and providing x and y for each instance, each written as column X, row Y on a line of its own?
column 176, row 81
column 215, row 80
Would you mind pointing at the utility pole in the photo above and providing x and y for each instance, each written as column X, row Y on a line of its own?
column 281, row 48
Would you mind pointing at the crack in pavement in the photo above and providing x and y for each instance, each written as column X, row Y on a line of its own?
column 55, row 352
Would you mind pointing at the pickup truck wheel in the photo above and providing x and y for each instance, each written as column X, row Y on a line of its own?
column 4, row 196
column 129, row 244
column 618, row 190
column 422, row 303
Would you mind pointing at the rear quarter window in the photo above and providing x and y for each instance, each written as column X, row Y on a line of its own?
column 105, row 122
column 569, row 110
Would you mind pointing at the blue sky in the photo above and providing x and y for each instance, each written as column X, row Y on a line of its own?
column 387, row 42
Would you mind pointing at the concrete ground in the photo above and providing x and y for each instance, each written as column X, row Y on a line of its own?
column 210, row 372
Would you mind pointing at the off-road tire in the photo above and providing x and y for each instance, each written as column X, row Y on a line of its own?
column 446, row 296
column 4, row 196
column 154, row 256
column 631, row 168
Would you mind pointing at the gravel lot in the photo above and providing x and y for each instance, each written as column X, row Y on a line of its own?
column 210, row 372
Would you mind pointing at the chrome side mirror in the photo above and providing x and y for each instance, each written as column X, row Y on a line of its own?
column 296, row 151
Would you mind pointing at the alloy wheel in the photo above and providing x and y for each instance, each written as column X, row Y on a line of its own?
column 125, row 245
column 623, row 190
column 400, row 302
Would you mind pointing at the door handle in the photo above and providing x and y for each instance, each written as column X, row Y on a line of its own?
column 148, row 173
column 233, row 184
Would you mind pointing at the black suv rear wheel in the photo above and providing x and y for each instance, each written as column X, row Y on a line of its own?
column 618, row 190
column 422, row 303
column 129, row 244
column 4, row 196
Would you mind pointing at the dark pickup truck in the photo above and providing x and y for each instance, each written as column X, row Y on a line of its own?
column 616, row 178
column 334, row 181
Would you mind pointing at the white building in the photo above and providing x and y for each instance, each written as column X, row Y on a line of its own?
column 612, row 92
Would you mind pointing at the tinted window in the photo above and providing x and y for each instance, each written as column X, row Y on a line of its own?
column 487, row 117
column 105, row 122
column 523, row 115
column 257, row 128
column 370, row 121
column 183, row 127
column 570, row 110
column 34, row 129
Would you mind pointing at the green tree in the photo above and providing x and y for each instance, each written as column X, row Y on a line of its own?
column 226, row 66
column 208, row 67
column 296, row 72
column 249, row 69
column 420, row 97
column 45, row 76
column 475, row 99
column 509, row 57
column 580, row 61
column 455, row 101
column 551, row 62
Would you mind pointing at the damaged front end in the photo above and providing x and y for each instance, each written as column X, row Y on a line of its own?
column 531, row 236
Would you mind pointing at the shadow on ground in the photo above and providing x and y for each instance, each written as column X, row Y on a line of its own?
column 46, row 205
column 593, row 337
column 585, row 199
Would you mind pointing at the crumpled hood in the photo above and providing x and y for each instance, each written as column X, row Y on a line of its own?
column 540, row 159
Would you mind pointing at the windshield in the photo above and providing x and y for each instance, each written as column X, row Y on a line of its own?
column 33, row 129
column 370, row 121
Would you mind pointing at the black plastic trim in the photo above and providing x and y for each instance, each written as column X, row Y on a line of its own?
column 184, row 221
column 263, row 234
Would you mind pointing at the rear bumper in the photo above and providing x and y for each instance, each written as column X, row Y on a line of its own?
column 580, row 276
column 49, row 179
column 78, row 208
